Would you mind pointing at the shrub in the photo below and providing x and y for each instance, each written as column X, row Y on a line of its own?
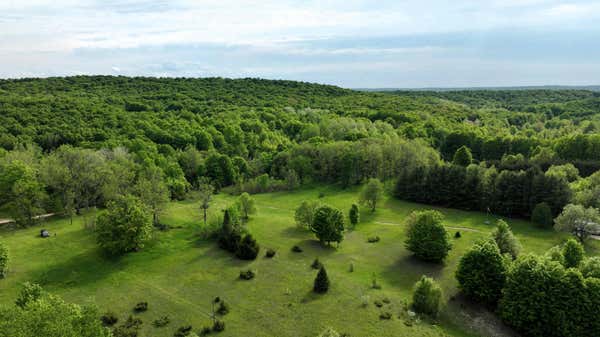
column 321, row 285
column 129, row 328
column 481, row 273
column 373, row 239
column 183, row 331
column 378, row 303
column 572, row 253
column 247, row 274
column 218, row 326
column 542, row 215
column 141, row 306
column 316, row 264
column 506, row 240
column 329, row 332
column 353, row 215
column 3, row 260
column 427, row 237
column 374, row 283
column 591, row 267
column 270, row 253
column 427, row 297
column 223, row 308
column 248, row 248
column 385, row 315
column 29, row 293
column 205, row 331
column 162, row 321
column 457, row 235
column 109, row 318
column 296, row 249
column 555, row 254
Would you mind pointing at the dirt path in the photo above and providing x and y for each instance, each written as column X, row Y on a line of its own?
column 42, row 216
column 466, row 229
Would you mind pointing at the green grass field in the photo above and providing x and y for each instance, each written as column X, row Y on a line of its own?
column 178, row 274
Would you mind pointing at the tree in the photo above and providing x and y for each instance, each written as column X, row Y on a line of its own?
column 427, row 238
column 321, row 285
column 46, row 315
column 481, row 273
column 542, row 215
column 22, row 191
column 3, row 260
column 205, row 191
column 371, row 193
column 506, row 240
column 578, row 220
column 248, row 248
column 124, row 226
column 305, row 213
column 462, row 156
column 427, row 297
column 328, row 224
column 246, row 205
column 153, row 191
column 572, row 253
column 354, row 215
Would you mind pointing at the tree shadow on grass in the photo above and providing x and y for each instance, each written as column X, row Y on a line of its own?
column 311, row 248
column 80, row 270
column 311, row 296
column 295, row 232
column 408, row 269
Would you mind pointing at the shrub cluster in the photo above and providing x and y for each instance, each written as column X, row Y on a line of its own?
column 270, row 253
column 427, row 297
column 162, row 321
column 109, row 319
column 141, row 306
column 247, row 274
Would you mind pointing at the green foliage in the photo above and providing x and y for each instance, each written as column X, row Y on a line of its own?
column 205, row 192
column 371, row 193
column 572, row 253
column 328, row 224
column 329, row 332
column 427, row 297
column 316, row 264
column 505, row 239
column 591, row 267
column 354, row 215
column 153, row 191
column 124, row 227
column 248, row 248
column 305, row 213
column 578, row 220
column 246, row 205
column 462, row 156
column 321, row 284
column 542, row 215
column 481, row 273
column 3, row 260
column 426, row 237
column 30, row 292
column 109, row 318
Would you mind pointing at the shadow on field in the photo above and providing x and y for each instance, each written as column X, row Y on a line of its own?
column 408, row 269
column 295, row 232
column 311, row 296
column 80, row 270
column 311, row 247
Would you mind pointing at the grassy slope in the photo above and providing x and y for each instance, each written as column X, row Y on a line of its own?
column 178, row 274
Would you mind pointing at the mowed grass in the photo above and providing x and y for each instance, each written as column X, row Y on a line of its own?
column 179, row 274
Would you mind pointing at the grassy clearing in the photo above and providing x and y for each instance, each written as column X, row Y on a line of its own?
column 178, row 274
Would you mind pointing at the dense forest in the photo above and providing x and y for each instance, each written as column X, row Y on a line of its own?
column 130, row 145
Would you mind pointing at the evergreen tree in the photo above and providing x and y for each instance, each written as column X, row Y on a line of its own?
column 321, row 285
column 248, row 248
column 354, row 215
column 506, row 240
column 427, row 297
column 572, row 253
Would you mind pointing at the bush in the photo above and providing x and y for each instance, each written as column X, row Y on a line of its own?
column 183, row 331
column 205, row 331
column 321, row 285
column 373, row 239
column 218, row 326
column 572, row 253
column 316, row 264
column 591, row 267
column 223, row 308
column 29, row 293
column 481, row 273
column 248, row 248
column 270, row 253
column 385, row 315
column 457, row 235
column 109, row 318
column 162, row 321
column 542, row 215
column 129, row 328
column 3, row 260
column 247, row 274
column 506, row 240
column 427, row 297
column 141, row 306
column 296, row 249
column 427, row 237
column 353, row 215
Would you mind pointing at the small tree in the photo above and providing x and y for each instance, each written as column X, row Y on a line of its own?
column 321, row 285
column 354, row 215
column 573, row 254
column 3, row 260
column 481, row 273
column 205, row 192
column 427, row 297
column 328, row 224
column 153, row 191
column 248, row 248
column 305, row 213
column 246, row 205
column 462, row 156
column 229, row 236
column 427, row 238
column 506, row 240
column 578, row 220
column 372, row 193
column 29, row 293
column 125, row 226
column 542, row 215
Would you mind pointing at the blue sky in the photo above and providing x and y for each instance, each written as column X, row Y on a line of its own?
column 349, row 43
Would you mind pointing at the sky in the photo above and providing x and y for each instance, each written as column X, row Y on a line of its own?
column 350, row 43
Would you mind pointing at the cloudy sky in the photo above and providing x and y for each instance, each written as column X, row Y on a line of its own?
column 351, row 43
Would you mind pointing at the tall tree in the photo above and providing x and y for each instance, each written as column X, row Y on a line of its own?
column 506, row 240
column 153, row 191
column 321, row 284
column 205, row 192
column 578, row 220
column 371, row 193
column 328, row 224
column 427, row 238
